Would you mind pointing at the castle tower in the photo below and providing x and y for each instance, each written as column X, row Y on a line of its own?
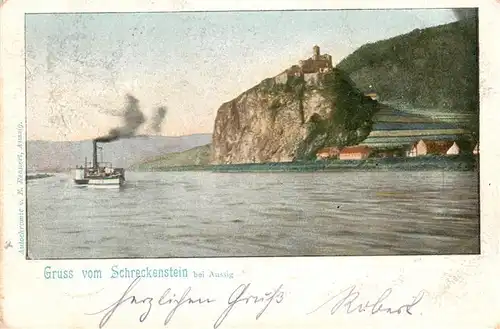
column 316, row 52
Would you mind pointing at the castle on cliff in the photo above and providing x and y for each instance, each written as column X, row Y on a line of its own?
column 309, row 68
column 317, row 63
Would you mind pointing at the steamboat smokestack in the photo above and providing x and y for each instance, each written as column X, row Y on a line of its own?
column 94, row 155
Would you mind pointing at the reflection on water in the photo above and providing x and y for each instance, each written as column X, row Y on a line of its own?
column 188, row 214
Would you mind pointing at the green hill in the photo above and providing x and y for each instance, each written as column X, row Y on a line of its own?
column 196, row 156
column 432, row 72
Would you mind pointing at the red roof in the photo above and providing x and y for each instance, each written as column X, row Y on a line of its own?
column 355, row 149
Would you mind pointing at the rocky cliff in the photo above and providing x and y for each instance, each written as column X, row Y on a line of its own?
column 288, row 118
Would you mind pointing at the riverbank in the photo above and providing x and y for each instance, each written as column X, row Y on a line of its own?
column 445, row 163
column 38, row 176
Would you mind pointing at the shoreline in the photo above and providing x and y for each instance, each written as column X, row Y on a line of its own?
column 38, row 176
column 424, row 163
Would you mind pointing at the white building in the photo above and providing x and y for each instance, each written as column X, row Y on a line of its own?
column 453, row 150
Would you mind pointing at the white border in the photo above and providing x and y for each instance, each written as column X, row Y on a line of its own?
column 463, row 291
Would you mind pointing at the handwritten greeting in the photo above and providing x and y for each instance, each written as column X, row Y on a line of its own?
column 245, row 297
column 240, row 296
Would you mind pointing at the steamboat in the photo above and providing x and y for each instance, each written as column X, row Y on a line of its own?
column 99, row 174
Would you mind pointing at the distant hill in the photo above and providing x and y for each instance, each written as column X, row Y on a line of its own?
column 433, row 70
column 196, row 156
column 49, row 156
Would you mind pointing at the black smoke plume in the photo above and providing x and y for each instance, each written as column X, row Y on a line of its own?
column 157, row 119
column 133, row 118
column 465, row 13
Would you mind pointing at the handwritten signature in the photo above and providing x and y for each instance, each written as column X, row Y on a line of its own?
column 239, row 296
column 348, row 300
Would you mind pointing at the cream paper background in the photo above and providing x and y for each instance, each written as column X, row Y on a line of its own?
column 462, row 291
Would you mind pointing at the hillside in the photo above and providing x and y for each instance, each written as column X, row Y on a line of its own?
column 428, row 71
column 197, row 156
column 427, row 81
column 50, row 156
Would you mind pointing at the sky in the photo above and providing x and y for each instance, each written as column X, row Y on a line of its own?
column 80, row 67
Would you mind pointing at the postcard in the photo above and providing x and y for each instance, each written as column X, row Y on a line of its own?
column 215, row 164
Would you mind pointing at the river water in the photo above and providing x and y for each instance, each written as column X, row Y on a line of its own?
column 191, row 214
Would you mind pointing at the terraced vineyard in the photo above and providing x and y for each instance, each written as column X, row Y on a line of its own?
column 394, row 128
column 437, row 115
